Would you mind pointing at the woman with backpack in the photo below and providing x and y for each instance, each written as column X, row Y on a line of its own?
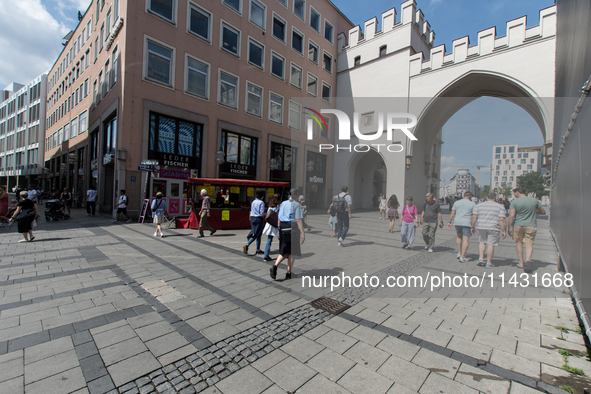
column 393, row 211
column 409, row 223
column 158, row 213
column 271, row 227
column 333, row 221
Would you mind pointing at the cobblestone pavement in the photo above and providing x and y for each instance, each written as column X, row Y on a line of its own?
column 97, row 307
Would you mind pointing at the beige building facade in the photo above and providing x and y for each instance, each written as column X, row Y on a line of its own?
column 179, row 82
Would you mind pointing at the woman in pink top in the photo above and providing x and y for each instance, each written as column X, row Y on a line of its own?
column 409, row 223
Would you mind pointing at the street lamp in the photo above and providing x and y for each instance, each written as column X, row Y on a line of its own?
column 408, row 161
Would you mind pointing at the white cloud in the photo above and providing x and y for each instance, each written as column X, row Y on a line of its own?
column 30, row 40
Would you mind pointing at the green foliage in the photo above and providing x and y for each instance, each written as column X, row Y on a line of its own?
column 568, row 389
column 533, row 183
column 574, row 371
column 565, row 353
column 485, row 191
column 504, row 191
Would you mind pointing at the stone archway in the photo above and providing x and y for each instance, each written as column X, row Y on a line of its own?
column 367, row 176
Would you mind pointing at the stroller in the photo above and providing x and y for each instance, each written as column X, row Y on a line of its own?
column 55, row 210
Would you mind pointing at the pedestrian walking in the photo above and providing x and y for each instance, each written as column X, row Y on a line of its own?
column 271, row 229
column 408, row 224
column 257, row 210
column 158, row 212
column 39, row 196
column 332, row 219
column 3, row 205
column 393, row 206
column 305, row 213
column 462, row 212
column 122, row 207
column 430, row 219
column 343, row 203
column 523, row 225
column 291, row 231
column 66, row 197
column 32, row 192
column 25, row 214
column 383, row 207
column 488, row 219
column 91, row 195
column 204, row 214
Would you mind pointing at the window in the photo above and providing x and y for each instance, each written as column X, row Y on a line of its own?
column 497, row 156
column 519, row 167
column 171, row 136
column 326, row 92
column 512, row 161
column 504, row 172
column 74, row 128
column 254, row 99
column 114, row 71
column 299, row 8
column 283, row 156
column 162, row 8
column 512, row 172
column 519, row 155
column 115, row 11
column 230, row 39
column 507, row 161
column 295, row 115
column 200, row 22
column 275, row 108
column 256, row 53
column 239, row 149
column 108, row 25
column 525, row 155
column 312, row 52
column 197, row 78
column 496, row 178
column 107, row 78
column 159, row 63
column 110, row 135
column 228, row 90
column 504, row 156
column 532, row 161
column 312, row 85
column 82, row 123
column 66, row 132
column 297, row 41
column 86, row 87
column 512, row 155
column 295, row 77
column 102, row 37
column 529, row 167
column 328, row 31
column 278, row 28
column 257, row 14
column 327, row 62
column 314, row 20
column 284, row 2
column 511, row 149
column 523, row 161
column 277, row 65
column 357, row 61
column 233, row 4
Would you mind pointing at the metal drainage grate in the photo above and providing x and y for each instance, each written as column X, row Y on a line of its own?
column 329, row 305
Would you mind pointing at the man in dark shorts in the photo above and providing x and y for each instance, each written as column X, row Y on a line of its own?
column 122, row 207
column 291, row 231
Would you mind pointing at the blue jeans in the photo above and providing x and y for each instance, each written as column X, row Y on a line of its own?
column 256, row 231
column 408, row 232
column 268, row 246
column 342, row 225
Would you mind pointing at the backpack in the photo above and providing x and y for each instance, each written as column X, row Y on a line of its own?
column 340, row 204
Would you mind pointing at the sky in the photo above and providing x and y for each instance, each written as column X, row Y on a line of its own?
column 31, row 33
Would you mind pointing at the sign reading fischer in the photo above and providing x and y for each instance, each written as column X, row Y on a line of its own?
column 172, row 160
column 242, row 170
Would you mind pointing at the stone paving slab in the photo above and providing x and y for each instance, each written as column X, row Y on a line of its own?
column 112, row 307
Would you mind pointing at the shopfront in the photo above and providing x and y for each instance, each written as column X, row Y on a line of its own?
column 316, row 180
column 175, row 144
column 240, row 156
column 282, row 160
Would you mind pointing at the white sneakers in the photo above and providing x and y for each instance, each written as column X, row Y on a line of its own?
column 430, row 250
column 161, row 235
column 426, row 247
column 156, row 234
column 458, row 255
column 113, row 221
column 341, row 242
column 128, row 221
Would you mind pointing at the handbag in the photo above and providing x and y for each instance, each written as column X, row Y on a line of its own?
column 26, row 214
column 272, row 218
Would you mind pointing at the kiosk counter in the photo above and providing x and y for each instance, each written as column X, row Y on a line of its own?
column 230, row 201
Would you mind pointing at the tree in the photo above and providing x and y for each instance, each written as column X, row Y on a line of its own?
column 504, row 191
column 532, row 183
column 485, row 191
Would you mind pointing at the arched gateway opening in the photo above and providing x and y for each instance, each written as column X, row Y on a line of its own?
column 367, row 179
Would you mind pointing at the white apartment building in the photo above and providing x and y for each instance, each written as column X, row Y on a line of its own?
column 460, row 183
column 510, row 162
column 22, row 126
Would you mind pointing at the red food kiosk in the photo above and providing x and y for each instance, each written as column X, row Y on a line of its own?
column 230, row 200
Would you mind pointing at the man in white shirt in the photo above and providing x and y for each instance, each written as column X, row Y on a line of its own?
column 122, row 207
column 91, row 200
column 32, row 194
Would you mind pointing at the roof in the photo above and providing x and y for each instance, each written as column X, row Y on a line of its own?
column 237, row 182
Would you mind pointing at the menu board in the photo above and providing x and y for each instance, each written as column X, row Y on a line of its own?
column 270, row 192
column 225, row 215
column 249, row 191
column 235, row 189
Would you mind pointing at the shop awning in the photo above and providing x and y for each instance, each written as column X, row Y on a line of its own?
column 236, row 182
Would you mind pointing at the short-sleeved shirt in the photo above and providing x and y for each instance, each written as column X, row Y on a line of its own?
column 525, row 211
column 158, row 206
column 464, row 209
column 122, row 199
column 409, row 214
column 25, row 203
column 287, row 213
column 257, row 208
column 431, row 211
column 348, row 199
column 32, row 194
column 91, row 195
column 489, row 213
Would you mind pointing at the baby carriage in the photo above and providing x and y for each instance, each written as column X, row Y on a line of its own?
column 55, row 210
